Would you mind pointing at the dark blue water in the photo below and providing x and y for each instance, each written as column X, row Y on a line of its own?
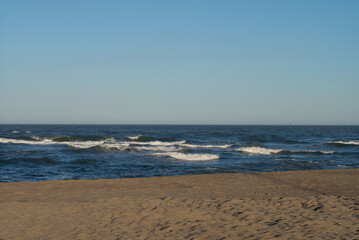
column 53, row 152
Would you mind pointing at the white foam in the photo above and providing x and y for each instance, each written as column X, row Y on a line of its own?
column 177, row 143
column 258, row 150
column 89, row 144
column 327, row 152
column 157, row 148
column 189, row 156
column 84, row 144
column 79, row 144
column 20, row 141
column 312, row 151
column 204, row 146
column 134, row 137
column 157, row 143
column 348, row 142
column 15, row 132
column 116, row 145
column 268, row 151
column 107, row 143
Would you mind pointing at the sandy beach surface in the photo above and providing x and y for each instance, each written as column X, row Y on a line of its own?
column 317, row 204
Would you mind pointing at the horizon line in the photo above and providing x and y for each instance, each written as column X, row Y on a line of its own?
column 181, row 124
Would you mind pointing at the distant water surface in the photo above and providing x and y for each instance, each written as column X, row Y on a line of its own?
column 54, row 152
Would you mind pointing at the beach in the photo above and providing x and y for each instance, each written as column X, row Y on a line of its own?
column 317, row 204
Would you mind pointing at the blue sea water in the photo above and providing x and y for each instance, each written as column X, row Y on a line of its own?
column 54, row 152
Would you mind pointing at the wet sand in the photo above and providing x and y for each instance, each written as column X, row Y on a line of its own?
column 321, row 204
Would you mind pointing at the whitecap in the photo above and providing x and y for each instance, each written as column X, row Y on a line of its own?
column 89, row 144
column 39, row 141
column 157, row 143
column 312, row 151
column 354, row 142
column 157, row 148
column 327, row 152
column 84, row 144
column 258, row 150
column 114, row 145
column 176, row 143
column 189, row 156
column 268, row 151
column 205, row 146
column 21, row 141
column 16, row 132
column 134, row 137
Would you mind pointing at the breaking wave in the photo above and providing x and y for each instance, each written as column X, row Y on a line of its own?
column 157, row 148
column 169, row 148
column 107, row 143
column 258, row 150
column 46, row 141
column 205, row 146
column 189, row 156
column 148, row 140
column 310, row 151
column 158, row 143
column 344, row 143
column 268, row 151
column 140, row 138
column 22, row 141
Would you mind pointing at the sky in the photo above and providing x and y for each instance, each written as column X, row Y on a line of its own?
column 179, row 62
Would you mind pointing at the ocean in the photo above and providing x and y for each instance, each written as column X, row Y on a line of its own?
column 57, row 152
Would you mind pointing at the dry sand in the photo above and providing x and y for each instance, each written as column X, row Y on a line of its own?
column 283, row 205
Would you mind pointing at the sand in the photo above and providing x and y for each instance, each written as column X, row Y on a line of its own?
column 319, row 204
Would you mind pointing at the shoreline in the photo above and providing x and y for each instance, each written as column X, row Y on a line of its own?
column 187, row 175
column 294, row 204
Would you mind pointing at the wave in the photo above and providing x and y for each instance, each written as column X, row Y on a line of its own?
column 178, row 143
column 119, row 146
column 148, row 140
column 310, row 151
column 140, row 138
column 67, row 138
column 268, row 151
column 107, row 143
column 154, row 146
column 84, row 145
column 158, row 143
column 157, row 148
column 189, row 156
column 23, row 138
column 134, row 137
column 123, row 146
column 39, row 141
column 344, row 143
column 22, row 141
column 258, row 150
column 205, row 146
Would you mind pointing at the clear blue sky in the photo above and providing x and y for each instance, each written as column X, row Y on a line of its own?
column 179, row 62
